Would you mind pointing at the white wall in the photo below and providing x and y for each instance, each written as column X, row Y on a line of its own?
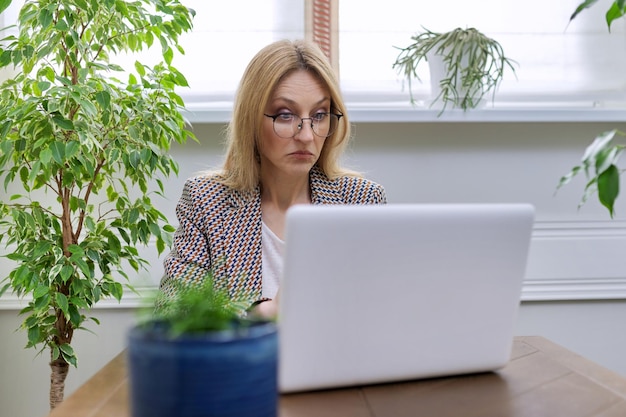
column 576, row 275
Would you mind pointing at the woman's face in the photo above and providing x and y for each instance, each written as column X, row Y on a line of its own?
column 299, row 95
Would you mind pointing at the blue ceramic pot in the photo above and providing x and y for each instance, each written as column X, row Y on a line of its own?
column 228, row 373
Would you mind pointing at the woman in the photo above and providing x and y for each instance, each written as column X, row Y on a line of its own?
column 288, row 130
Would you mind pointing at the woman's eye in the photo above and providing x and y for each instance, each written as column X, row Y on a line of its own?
column 285, row 117
column 319, row 116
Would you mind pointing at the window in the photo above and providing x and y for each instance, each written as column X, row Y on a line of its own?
column 225, row 37
column 579, row 63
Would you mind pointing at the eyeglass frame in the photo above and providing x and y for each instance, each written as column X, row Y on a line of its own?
column 302, row 119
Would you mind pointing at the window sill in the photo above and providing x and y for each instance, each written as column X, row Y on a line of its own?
column 220, row 112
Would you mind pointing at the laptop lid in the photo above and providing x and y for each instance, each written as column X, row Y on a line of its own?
column 374, row 294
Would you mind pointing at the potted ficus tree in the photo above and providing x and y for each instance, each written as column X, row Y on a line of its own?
column 81, row 155
column 465, row 65
column 600, row 160
column 198, row 353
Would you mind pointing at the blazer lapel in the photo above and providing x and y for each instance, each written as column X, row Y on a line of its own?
column 323, row 190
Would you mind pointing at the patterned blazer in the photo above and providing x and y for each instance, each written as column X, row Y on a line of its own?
column 220, row 230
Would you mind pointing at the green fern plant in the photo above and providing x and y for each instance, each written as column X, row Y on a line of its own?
column 195, row 309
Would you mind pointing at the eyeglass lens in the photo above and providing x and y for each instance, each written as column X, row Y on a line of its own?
column 323, row 124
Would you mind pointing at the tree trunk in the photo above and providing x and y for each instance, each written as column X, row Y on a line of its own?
column 59, row 370
column 59, row 367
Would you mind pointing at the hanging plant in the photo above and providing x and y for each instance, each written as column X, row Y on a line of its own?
column 474, row 65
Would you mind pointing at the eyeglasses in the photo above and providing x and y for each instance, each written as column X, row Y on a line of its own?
column 288, row 125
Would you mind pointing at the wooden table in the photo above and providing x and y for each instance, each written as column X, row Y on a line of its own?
column 542, row 379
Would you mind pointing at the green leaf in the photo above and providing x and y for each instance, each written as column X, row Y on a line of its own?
column 104, row 99
column 135, row 159
column 71, row 149
column 83, row 266
column 20, row 276
column 66, row 272
column 181, row 80
column 41, row 249
column 68, row 353
column 42, row 303
column 76, row 251
column 117, row 290
column 62, row 122
column 43, row 85
column 90, row 224
column 45, row 156
column 615, row 12
column 71, row 360
column 160, row 243
column 114, row 243
column 140, row 68
column 133, row 216
column 88, row 107
column 155, row 229
column 4, row 4
column 35, row 172
column 93, row 254
column 124, row 234
column 40, row 291
column 58, row 152
column 62, row 303
column 49, row 321
column 6, row 127
column 82, row 4
column 34, row 335
column 168, row 55
column 54, row 271
column 79, row 302
column 608, row 188
column 24, row 175
column 75, row 317
column 62, row 26
column 582, row 6
column 31, row 321
column 45, row 18
column 4, row 288
column 55, row 353
column 66, row 349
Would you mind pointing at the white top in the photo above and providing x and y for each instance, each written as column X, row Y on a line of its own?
column 272, row 260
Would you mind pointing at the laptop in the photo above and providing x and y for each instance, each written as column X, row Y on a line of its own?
column 396, row 292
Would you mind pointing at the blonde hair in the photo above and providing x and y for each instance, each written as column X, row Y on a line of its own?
column 264, row 72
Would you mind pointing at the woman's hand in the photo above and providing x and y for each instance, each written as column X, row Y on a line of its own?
column 267, row 309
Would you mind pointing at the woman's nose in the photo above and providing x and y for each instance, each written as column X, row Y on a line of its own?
column 305, row 129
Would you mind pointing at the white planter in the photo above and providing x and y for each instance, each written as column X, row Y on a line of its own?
column 439, row 72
